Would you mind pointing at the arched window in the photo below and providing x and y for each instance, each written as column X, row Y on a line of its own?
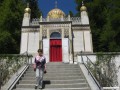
column 55, row 35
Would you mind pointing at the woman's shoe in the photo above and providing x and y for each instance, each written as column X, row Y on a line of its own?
column 40, row 87
column 36, row 86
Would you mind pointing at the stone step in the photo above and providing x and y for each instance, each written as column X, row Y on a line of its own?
column 54, row 81
column 54, row 74
column 61, row 66
column 58, row 68
column 86, row 88
column 57, row 71
column 77, row 85
column 49, row 69
column 58, row 63
column 54, row 78
column 59, row 76
column 66, row 65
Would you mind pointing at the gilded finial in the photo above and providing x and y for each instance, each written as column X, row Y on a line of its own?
column 83, row 8
column 27, row 10
column 55, row 4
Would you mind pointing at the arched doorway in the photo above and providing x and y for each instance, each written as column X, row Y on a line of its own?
column 55, row 47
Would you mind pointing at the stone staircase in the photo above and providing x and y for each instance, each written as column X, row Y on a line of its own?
column 59, row 76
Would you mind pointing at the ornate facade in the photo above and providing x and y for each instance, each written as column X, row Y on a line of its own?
column 60, row 37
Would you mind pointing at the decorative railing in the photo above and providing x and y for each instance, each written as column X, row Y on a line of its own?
column 10, row 63
column 74, row 20
column 35, row 22
column 103, row 71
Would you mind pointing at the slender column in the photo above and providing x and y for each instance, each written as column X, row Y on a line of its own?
column 91, row 41
column 47, row 18
column 40, row 18
column 70, row 32
column 62, row 18
column 71, row 44
column 70, row 56
column 27, row 42
column 48, row 36
column 40, row 37
column 68, row 17
column 40, row 34
column 62, row 36
column 84, row 41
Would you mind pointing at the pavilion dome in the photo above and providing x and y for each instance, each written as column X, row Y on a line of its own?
column 27, row 9
column 83, row 8
column 56, row 13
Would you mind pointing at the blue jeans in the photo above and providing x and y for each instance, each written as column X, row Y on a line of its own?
column 39, row 76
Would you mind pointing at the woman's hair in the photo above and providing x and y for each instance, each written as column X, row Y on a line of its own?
column 40, row 50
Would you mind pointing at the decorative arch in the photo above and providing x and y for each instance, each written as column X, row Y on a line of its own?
column 55, row 35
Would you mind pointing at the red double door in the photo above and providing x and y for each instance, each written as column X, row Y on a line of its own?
column 55, row 50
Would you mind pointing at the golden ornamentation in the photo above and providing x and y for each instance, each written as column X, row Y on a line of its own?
column 27, row 10
column 56, row 13
column 83, row 8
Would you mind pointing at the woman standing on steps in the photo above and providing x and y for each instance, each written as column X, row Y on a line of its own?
column 39, row 68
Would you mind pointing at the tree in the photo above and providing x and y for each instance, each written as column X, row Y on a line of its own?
column 105, row 30
column 111, row 29
column 71, row 13
column 11, row 15
column 7, row 43
column 11, row 20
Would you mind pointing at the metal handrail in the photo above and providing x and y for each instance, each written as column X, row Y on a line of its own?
column 97, row 83
column 98, row 72
column 17, row 79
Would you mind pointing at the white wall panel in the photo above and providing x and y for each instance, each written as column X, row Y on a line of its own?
column 23, row 42
column 78, row 41
column 33, row 42
column 84, row 17
column 65, row 53
column 46, row 49
column 87, row 38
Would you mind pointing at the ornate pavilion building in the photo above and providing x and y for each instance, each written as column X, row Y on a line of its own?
column 61, row 37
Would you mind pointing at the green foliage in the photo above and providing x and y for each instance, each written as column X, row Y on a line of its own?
column 10, row 24
column 71, row 13
column 107, row 69
column 10, row 63
column 11, row 15
column 104, row 69
column 7, row 43
column 104, row 18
